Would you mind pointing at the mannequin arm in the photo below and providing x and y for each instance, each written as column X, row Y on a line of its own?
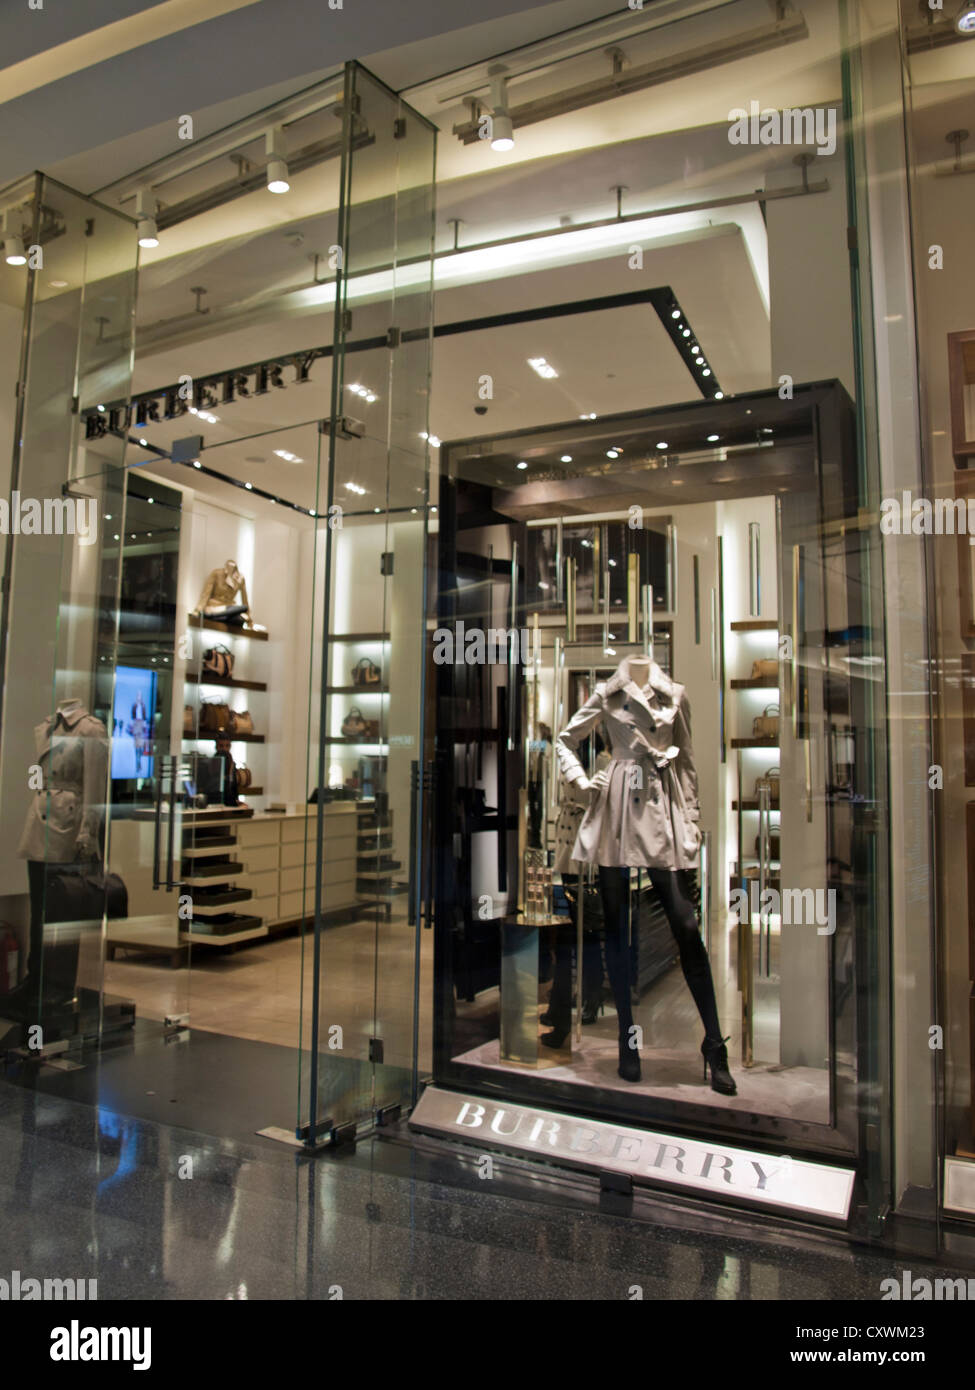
column 684, row 763
column 578, row 728
column 243, row 594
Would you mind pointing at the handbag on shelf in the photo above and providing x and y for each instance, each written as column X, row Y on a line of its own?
column 241, row 721
column 771, row 776
column 189, row 720
column 366, row 672
column 218, row 661
column 245, row 778
column 353, row 725
column 214, row 716
column 766, row 668
column 766, row 724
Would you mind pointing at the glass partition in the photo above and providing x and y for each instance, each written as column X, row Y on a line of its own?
column 61, row 614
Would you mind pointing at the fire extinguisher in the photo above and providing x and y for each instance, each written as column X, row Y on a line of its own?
column 9, row 960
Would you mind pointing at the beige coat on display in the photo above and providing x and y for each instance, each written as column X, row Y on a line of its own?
column 646, row 815
column 65, row 816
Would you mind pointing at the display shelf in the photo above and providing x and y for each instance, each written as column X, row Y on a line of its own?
column 216, row 904
column 251, row 791
column 358, row 637
column 201, row 938
column 754, row 806
column 211, row 625
column 756, row 683
column 234, row 738
column 202, row 875
column 215, row 844
column 770, row 742
column 228, row 683
column 756, row 625
column 356, row 742
column 357, row 690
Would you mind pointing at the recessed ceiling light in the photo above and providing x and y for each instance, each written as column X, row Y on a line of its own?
column 150, row 500
column 685, row 332
column 713, row 438
column 522, row 464
column 57, row 284
column 566, row 458
column 590, row 416
column 143, row 443
column 662, row 444
column 719, row 395
column 543, row 368
column 249, row 486
column 706, row 372
column 965, row 20
column 675, row 313
column 197, row 463
column 612, row 453
column 699, row 361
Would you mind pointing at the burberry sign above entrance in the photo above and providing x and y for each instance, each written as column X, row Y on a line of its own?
column 740, row 1175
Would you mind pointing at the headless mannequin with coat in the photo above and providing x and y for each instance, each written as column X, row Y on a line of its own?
column 643, row 813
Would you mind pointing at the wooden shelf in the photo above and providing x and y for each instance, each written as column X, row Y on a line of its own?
column 234, row 738
column 359, row 637
column 756, row 625
column 357, row 690
column 250, row 791
column 227, row 684
column 211, row 625
column 356, row 742
column 753, row 806
column 755, row 742
column 756, row 683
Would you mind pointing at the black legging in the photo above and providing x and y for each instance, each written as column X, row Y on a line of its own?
column 671, row 889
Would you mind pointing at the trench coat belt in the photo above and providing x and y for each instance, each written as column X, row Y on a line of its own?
column 58, row 784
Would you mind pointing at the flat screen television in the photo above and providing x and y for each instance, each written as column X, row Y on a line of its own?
column 133, row 723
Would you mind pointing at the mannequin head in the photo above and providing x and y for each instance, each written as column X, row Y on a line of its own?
column 638, row 669
column 230, row 566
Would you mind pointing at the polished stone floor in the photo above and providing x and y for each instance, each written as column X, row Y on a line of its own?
column 163, row 1212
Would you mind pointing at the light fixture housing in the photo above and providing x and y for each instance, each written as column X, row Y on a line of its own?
column 13, row 250
column 965, row 20
column 277, row 168
column 146, row 208
column 502, row 130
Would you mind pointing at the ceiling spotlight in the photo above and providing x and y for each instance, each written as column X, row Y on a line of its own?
column 662, row 444
column 502, row 131
column 965, row 20
column 543, row 368
column 58, row 284
column 522, row 464
column 249, row 486
column 145, row 214
column 590, row 416
column 197, row 463
column 612, row 453
column 699, row 361
column 675, row 313
column 685, row 332
column 13, row 244
column 706, row 372
column 719, row 395
column 277, row 169
column 713, row 438
column 566, row 458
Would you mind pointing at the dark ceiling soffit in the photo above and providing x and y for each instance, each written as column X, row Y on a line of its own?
column 661, row 298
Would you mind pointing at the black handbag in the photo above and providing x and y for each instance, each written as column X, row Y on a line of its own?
column 366, row 672
column 218, row 661
column 83, row 894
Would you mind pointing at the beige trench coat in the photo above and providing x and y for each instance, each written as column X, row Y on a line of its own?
column 646, row 817
column 64, row 819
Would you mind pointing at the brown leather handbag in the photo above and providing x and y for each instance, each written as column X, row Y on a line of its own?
column 771, row 776
column 766, row 668
column 218, row 661
column 189, row 720
column 214, row 716
column 766, row 724
column 241, row 721
column 245, row 778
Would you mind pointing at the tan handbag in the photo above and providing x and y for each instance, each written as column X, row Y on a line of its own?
column 766, row 724
column 772, row 778
column 189, row 720
column 766, row 668
column 241, row 721
column 245, row 778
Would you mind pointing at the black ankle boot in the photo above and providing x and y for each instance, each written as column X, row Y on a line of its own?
column 592, row 1008
column 557, row 1036
column 629, row 1063
column 716, row 1057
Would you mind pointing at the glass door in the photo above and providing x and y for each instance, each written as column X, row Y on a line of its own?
column 373, row 764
